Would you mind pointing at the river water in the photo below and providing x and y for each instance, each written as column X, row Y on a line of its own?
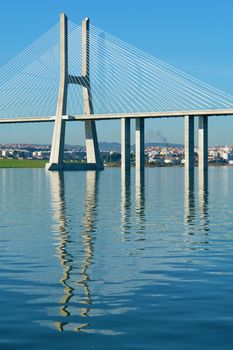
column 100, row 261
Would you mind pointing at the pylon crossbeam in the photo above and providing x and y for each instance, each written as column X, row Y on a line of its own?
column 72, row 79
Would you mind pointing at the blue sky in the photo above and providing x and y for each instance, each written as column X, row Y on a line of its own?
column 195, row 36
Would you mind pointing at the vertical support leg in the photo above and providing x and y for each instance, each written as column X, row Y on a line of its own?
column 189, row 143
column 58, row 143
column 139, row 143
column 57, row 149
column 125, row 144
column 203, row 144
column 92, row 147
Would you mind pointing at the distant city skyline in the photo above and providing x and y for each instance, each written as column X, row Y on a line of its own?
column 193, row 36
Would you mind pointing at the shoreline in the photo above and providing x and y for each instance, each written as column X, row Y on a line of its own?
column 38, row 163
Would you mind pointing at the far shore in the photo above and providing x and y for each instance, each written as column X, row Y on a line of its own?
column 22, row 163
column 39, row 163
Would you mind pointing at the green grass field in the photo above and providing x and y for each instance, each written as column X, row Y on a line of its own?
column 24, row 163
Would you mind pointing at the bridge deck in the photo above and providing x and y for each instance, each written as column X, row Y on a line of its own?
column 167, row 114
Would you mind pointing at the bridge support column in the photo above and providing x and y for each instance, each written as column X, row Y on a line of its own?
column 203, row 145
column 57, row 149
column 92, row 147
column 139, row 144
column 125, row 144
column 189, row 143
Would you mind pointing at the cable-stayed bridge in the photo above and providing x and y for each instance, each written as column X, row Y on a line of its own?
column 81, row 73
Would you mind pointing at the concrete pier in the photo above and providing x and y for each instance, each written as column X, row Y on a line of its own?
column 203, row 144
column 92, row 147
column 57, row 149
column 125, row 144
column 139, row 144
column 189, row 143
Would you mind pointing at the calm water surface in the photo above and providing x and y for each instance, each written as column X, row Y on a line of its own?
column 96, row 261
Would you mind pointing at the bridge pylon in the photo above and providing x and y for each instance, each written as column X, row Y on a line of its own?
column 56, row 161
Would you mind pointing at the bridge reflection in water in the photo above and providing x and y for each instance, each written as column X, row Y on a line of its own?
column 126, row 205
column 77, row 295
column 67, row 260
column 140, row 203
column 203, row 197
column 193, row 209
